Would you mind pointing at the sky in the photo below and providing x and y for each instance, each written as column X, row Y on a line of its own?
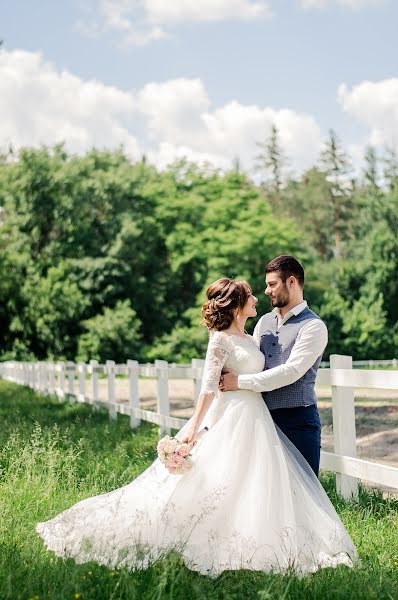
column 201, row 79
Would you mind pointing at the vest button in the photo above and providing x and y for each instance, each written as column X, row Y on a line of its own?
column 277, row 333
column 274, row 343
column 269, row 355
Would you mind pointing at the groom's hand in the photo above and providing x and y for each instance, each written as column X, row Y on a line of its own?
column 228, row 381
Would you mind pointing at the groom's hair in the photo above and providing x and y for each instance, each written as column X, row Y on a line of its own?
column 286, row 266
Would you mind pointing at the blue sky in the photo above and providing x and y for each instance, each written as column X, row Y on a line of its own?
column 203, row 79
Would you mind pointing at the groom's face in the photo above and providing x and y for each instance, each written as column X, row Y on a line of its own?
column 277, row 290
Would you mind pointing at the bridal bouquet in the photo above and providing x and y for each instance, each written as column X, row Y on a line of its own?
column 175, row 455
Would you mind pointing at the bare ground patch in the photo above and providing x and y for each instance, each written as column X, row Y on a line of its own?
column 376, row 413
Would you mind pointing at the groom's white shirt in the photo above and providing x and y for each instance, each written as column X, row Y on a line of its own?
column 309, row 345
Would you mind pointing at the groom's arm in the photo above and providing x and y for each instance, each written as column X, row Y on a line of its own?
column 309, row 346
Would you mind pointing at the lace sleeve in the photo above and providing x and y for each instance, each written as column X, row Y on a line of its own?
column 217, row 353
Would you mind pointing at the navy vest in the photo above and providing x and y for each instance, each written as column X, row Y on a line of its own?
column 276, row 344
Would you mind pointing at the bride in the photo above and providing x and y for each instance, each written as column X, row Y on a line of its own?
column 250, row 500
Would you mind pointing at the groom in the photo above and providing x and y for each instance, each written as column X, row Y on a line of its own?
column 292, row 338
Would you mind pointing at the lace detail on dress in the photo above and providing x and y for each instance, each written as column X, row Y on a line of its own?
column 218, row 350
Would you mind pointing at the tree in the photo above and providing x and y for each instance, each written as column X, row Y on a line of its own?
column 309, row 206
column 270, row 162
column 391, row 168
column 113, row 334
column 336, row 166
column 370, row 172
column 49, row 322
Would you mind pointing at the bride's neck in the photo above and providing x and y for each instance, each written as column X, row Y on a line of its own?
column 237, row 327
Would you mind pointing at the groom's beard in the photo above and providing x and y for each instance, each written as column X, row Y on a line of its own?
column 282, row 299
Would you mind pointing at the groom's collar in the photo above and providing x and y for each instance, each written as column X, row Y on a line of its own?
column 296, row 310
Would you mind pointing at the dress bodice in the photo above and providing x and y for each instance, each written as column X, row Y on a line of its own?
column 236, row 352
column 245, row 356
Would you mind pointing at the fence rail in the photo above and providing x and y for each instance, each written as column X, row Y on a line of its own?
column 59, row 379
column 391, row 362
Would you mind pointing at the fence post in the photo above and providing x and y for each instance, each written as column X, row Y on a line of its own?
column 41, row 378
column 110, row 371
column 345, row 441
column 134, row 398
column 197, row 371
column 162, row 380
column 23, row 373
column 94, row 383
column 61, row 380
column 46, row 378
column 70, row 366
column 36, row 374
column 29, row 374
column 51, row 377
column 81, row 369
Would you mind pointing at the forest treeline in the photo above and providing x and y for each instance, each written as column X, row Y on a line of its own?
column 108, row 259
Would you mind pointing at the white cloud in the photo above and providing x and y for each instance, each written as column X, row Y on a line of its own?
column 179, row 116
column 168, row 120
column 165, row 154
column 313, row 3
column 375, row 104
column 142, row 21
column 174, row 109
column 352, row 4
column 40, row 105
column 179, row 11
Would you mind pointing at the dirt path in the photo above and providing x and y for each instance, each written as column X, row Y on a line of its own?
column 376, row 414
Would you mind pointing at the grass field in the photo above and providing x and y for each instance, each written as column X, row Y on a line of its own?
column 53, row 454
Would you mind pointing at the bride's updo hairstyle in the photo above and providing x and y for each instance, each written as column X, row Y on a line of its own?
column 224, row 295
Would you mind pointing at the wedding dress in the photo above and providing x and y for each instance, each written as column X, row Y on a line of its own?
column 250, row 500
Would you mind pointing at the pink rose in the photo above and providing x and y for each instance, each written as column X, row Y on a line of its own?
column 178, row 460
column 170, row 446
column 184, row 450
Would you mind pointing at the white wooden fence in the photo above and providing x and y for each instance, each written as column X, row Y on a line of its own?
column 371, row 364
column 59, row 379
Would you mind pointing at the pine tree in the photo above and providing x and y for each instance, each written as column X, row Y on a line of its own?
column 270, row 162
column 370, row 172
column 390, row 171
column 337, row 168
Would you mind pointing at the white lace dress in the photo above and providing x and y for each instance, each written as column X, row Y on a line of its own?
column 250, row 500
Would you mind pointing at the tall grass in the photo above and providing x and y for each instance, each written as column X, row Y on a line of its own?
column 52, row 455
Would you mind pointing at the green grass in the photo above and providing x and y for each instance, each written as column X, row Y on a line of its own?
column 52, row 455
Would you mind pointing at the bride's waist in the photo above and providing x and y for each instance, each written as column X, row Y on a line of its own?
column 239, row 395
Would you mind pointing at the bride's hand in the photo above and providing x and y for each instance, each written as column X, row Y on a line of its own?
column 190, row 437
column 229, row 381
column 221, row 382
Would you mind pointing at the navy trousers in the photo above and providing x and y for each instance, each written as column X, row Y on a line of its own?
column 303, row 428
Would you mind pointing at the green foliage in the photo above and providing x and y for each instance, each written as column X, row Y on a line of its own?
column 112, row 335
column 54, row 454
column 81, row 235
column 271, row 163
column 53, row 308
column 307, row 201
